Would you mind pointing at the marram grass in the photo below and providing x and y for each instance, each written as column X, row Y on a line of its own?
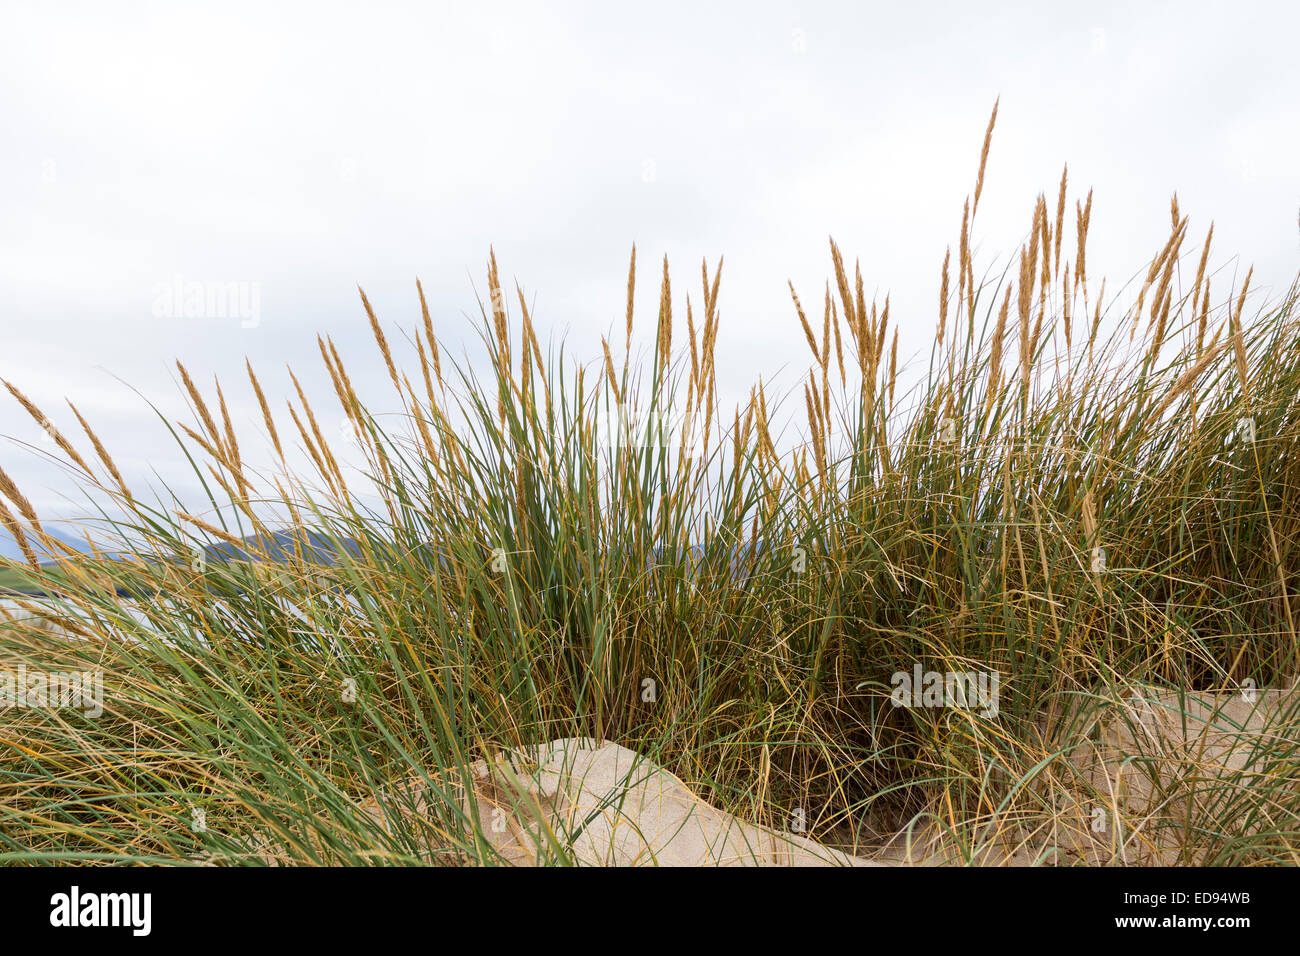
column 1077, row 498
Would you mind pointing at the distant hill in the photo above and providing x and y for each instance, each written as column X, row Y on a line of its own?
column 9, row 546
column 282, row 545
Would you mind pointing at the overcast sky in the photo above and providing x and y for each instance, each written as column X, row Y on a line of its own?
column 301, row 150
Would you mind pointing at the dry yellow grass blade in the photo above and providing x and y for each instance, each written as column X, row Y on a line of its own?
column 803, row 320
column 202, row 442
column 1203, row 320
column 526, row 333
column 943, row 296
column 631, row 290
column 665, row 343
column 1060, row 220
column 1188, row 378
column 1200, row 268
column 1067, row 298
column 425, row 372
column 382, row 341
column 1096, row 318
column 1161, row 327
column 353, row 402
column 231, row 443
column 39, row 417
column 712, row 319
column 814, row 427
column 1238, row 338
column 1045, row 242
column 710, row 289
column 16, row 532
column 235, row 494
column 964, row 291
column 984, row 156
column 426, row 437
column 835, row 324
column 851, row 315
column 330, row 470
column 695, row 355
column 266, row 410
column 764, row 434
column 100, row 451
column 1163, row 264
column 995, row 352
column 531, row 345
column 335, row 379
column 205, row 416
column 893, row 367
column 1089, row 515
column 500, row 321
column 430, row 338
column 1025, row 297
column 321, row 468
column 1083, row 219
column 708, row 409
column 311, row 418
column 9, row 489
column 609, row 371
column 211, row 529
column 878, row 351
column 348, row 398
column 824, row 357
column 1025, row 300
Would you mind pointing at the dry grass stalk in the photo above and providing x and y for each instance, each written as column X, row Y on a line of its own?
column 231, row 443
column 1060, row 221
column 851, row 314
column 321, row 467
column 609, row 371
column 16, row 532
column 665, row 342
column 500, row 321
column 100, row 451
column 984, row 157
column 1083, row 214
column 1046, row 245
column 631, row 290
column 893, row 367
column 1096, row 318
column 200, row 406
column 1088, row 511
column 963, row 262
column 1200, row 268
column 9, row 489
column 266, row 410
column 995, row 353
column 695, row 354
column 1238, row 338
column 426, row 437
column 316, row 431
column 1188, row 378
column 1203, row 319
column 209, row 450
column 803, row 320
column 835, row 324
column 39, row 417
column 1066, row 299
column 429, row 337
column 211, row 529
column 943, row 296
column 378, row 332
